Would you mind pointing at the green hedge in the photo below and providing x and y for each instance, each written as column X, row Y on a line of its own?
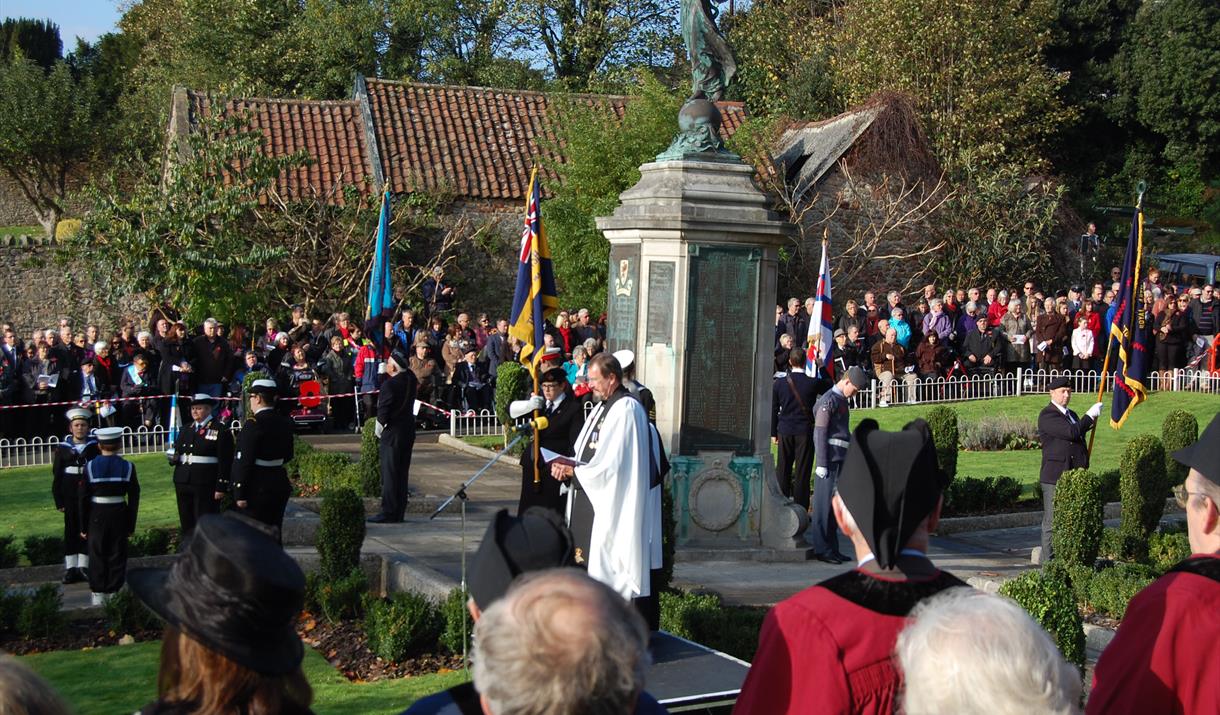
column 1109, row 590
column 401, row 626
column 1144, row 489
column 1078, row 518
column 942, row 421
column 340, row 533
column 970, row 495
column 44, row 550
column 1179, row 429
column 11, row 604
column 1167, row 549
column 370, row 460
column 512, row 383
column 156, row 541
column 127, row 614
column 326, row 470
column 41, row 614
column 1047, row 596
column 301, row 450
column 704, row 619
column 1110, row 489
column 10, row 553
column 337, row 599
column 456, row 616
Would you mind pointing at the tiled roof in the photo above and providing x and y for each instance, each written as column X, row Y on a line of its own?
column 331, row 133
column 476, row 142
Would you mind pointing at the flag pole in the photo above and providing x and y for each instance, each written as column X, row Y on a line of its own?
column 537, row 476
column 1105, row 367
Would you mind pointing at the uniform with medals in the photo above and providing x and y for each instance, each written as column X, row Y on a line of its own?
column 68, row 462
column 202, row 458
column 109, row 502
column 263, row 447
column 614, row 505
column 829, row 648
column 565, row 417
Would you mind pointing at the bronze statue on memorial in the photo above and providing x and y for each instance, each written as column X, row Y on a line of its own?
column 712, row 69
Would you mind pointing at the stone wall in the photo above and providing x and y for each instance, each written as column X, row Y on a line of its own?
column 37, row 292
column 16, row 211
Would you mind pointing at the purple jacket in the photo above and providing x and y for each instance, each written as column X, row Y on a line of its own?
column 941, row 323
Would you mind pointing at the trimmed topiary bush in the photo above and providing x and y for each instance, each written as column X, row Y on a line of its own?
column 704, row 619
column 340, row 533
column 1047, row 596
column 326, row 470
column 10, row 553
column 971, row 495
column 127, row 614
column 401, row 626
column 1111, row 544
column 1078, row 518
column 943, row 422
column 1110, row 590
column 1144, row 487
column 1110, row 490
column 370, row 460
column 512, row 382
column 44, row 550
column 457, row 617
column 40, row 615
column 1180, row 429
column 338, row 599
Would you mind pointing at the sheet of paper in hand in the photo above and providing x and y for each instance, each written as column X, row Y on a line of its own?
column 557, row 458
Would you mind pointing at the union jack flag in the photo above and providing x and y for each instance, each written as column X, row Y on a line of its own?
column 535, row 297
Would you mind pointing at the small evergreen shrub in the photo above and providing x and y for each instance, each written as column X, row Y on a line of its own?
column 1167, row 549
column 1047, row 596
column 325, row 470
column 340, row 533
column 1078, row 518
column 10, row 553
column 704, row 619
column 44, row 550
column 943, row 422
column 456, row 617
column 127, row 614
column 1111, row 589
column 11, row 605
column 40, row 615
column 401, row 626
column 1144, row 487
column 1110, row 491
column 156, row 541
column 301, row 451
column 370, row 460
column 338, row 599
column 972, row 495
column 997, row 433
column 511, row 384
column 1180, row 429
column 1111, row 544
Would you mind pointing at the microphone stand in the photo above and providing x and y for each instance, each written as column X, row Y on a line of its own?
column 461, row 495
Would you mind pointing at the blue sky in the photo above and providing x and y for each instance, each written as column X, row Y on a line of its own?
column 84, row 18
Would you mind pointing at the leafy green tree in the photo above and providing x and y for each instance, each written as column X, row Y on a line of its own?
column 47, row 128
column 591, row 179
column 784, row 57
column 975, row 69
column 35, row 40
column 190, row 238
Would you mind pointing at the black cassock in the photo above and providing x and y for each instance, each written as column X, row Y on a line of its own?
column 564, row 423
column 396, row 414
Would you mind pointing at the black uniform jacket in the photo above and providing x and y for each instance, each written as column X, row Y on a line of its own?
column 562, row 429
column 1063, row 442
column 204, row 456
column 787, row 414
column 396, row 402
column 68, row 471
column 266, row 437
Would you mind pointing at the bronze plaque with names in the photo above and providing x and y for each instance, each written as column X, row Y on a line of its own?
column 624, row 296
column 721, row 323
column 660, row 302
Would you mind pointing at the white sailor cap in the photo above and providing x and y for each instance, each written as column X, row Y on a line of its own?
column 202, row 398
column 624, row 357
column 108, row 435
column 79, row 413
column 264, row 386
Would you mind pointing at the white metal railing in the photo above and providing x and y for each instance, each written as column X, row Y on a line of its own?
column 38, row 450
column 483, row 424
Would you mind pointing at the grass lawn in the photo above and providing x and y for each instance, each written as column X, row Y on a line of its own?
column 20, row 230
column 27, row 507
column 123, row 679
column 1023, row 465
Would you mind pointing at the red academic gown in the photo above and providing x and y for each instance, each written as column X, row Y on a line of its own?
column 1163, row 658
column 829, row 648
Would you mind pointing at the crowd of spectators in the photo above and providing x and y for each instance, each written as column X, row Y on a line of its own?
column 453, row 353
column 992, row 331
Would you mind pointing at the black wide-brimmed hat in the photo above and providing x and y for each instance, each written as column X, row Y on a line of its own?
column 513, row 545
column 890, row 481
column 1204, row 455
column 234, row 590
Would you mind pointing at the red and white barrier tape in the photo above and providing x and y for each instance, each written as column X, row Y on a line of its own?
column 94, row 403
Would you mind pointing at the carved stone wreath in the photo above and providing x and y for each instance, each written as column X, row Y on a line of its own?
column 716, row 499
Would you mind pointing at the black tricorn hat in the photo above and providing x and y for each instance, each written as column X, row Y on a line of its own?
column 1204, row 455
column 513, row 545
column 234, row 590
column 890, row 482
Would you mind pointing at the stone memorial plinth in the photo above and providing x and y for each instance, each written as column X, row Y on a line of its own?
column 693, row 258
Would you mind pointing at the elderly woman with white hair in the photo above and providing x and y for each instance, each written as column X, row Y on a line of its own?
column 966, row 652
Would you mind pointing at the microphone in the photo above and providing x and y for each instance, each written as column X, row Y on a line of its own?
column 527, row 428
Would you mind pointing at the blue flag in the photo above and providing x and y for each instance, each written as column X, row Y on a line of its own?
column 381, row 292
column 535, row 297
column 175, row 424
column 1131, row 330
